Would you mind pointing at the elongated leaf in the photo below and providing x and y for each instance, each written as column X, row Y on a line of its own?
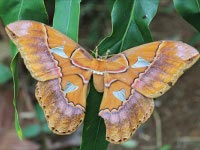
column 93, row 136
column 130, row 25
column 5, row 74
column 66, row 17
column 72, row 33
column 10, row 11
column 130, row 22
column 14, row 69
column 190, row 11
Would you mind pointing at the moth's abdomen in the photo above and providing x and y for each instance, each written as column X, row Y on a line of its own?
column 98, row 82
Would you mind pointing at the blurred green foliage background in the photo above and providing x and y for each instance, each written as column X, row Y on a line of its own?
column 175, row 123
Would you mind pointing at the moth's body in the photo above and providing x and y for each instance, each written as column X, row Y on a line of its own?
column 99, row 67
column 130, row 80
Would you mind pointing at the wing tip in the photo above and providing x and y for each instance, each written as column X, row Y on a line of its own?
column 19, row 28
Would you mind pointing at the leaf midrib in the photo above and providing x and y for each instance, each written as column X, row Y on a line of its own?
column 125, row 33
column 128, row 25
column 70, row 3
column 97, row 134
column 20, row 9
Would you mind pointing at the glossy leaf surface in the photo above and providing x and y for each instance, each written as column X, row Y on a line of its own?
column 66, row 17
column 130, row 26
column 127, row 31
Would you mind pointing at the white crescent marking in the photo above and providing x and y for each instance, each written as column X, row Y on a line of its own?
column 140, row 63
column 70, row 87
column 120, row 95
column 59, row 51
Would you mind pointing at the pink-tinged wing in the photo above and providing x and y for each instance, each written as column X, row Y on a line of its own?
column 128, row 95
column 62, row 86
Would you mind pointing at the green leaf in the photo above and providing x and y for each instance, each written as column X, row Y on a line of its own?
column 93, row 136
column 66, row 17
column 45, row 128
column 40, row 113
column 5, row 74
column 20, row 10
column 130, row 25
column 190, row 11
column 14, row 69
column 166, row 147
column 130, row 144
column 68, row 24
column 31, row 131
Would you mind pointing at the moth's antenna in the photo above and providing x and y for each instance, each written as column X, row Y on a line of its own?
column 107, row 53
column 92, row 51
column 96, row 52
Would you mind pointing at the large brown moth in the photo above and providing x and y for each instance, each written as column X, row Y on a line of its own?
column 130, row 80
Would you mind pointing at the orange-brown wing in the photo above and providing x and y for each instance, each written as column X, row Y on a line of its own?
column 62, row 86
column 128, row 95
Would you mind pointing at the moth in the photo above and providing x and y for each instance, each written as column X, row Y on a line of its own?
column 129, row 80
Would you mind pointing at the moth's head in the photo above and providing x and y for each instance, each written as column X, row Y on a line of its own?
column 104, row 57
